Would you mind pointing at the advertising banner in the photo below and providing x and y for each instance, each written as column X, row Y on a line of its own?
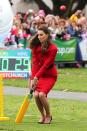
column 66, row 49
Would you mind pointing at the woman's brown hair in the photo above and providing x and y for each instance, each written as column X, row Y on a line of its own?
column 34, row 41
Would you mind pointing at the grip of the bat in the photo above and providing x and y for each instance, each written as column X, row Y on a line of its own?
column 22, row 110
column 31, row 91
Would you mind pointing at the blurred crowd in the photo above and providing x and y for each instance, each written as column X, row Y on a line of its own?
column 26, row 25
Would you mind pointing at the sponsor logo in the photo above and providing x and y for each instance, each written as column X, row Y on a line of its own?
column 68, row 50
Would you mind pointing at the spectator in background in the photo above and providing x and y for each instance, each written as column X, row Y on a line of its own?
column 60, row 28
column 72, row 28
column 76, row 16
column 29, row 15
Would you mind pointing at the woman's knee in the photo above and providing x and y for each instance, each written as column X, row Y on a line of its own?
column 36, row 94
column 41, row 95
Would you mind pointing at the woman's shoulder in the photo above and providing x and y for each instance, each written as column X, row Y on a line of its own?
column 53, row 46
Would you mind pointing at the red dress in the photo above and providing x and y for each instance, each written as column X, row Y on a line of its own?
column 43, row 67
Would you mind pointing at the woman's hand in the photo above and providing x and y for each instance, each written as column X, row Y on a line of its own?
column 34, row 82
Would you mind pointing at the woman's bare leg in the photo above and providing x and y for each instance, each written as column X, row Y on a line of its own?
column 40, row 106
column 45, row 103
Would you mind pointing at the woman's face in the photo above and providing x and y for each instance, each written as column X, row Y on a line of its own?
column 42, row 36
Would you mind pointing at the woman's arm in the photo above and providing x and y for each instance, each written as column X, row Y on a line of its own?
column 47, row 63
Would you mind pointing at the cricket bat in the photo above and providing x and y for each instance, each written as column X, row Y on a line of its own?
column 24, row 107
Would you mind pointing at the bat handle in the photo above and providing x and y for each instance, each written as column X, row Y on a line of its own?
column 31, row 91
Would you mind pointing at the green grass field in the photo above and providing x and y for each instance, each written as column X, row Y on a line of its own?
column 67, row 115
column 72, row 79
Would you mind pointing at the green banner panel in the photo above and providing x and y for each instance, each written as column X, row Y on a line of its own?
column 66, row 49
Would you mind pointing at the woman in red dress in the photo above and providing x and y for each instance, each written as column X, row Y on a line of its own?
column 44, row 72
